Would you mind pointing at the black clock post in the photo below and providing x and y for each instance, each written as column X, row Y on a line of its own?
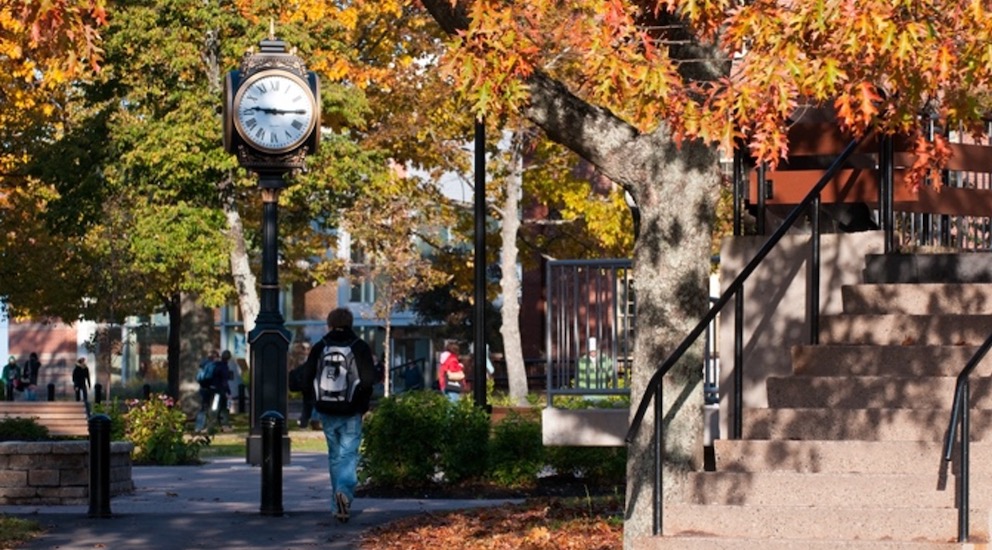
column 271, row 122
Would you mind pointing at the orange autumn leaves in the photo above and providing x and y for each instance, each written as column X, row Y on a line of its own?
column 725, row 71
column 539, row 524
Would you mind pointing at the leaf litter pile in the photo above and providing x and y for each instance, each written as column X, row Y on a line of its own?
column 537, row 524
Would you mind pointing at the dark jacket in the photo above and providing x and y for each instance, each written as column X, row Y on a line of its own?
column 364, row 362
column 30, row 372
column 81, row 377
column 221, row 375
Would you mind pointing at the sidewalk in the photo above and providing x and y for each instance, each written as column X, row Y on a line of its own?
column 217, row 506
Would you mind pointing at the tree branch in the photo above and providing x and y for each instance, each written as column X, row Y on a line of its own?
column 592, row 132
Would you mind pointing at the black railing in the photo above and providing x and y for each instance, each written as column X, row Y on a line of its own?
column 415, row 375
column 654, row 384
column 960, row 415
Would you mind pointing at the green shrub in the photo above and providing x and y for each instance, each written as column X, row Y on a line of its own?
column 156, row 428
column 581, row 402
column 516, row 451
column 114, row 409
column 464, row 442
column 22, row 429
column 402, row 439
column 599, row 465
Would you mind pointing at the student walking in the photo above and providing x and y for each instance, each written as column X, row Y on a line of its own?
column 338, row 377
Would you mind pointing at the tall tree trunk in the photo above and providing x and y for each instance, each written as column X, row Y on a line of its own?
column 516, row 372
column 244, row 279
column 671, row 267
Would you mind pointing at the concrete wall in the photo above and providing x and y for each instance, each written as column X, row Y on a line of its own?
column 775, row 305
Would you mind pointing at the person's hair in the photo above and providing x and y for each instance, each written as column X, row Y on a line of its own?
column 452, row 347
column 225, row 355
column 340, row 318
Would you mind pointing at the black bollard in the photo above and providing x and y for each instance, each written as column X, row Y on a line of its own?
column 242, row 397
column 146, row 391
column 99, row 425
column 98, row 393
column 51, row 392
column 273, row 424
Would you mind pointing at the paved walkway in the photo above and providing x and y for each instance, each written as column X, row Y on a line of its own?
column 217, row 506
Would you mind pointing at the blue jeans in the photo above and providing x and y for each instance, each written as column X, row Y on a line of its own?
column 454, row 397
column 344, row 436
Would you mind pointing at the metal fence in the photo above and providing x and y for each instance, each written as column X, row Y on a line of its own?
column 589, row 327
column 961, row 230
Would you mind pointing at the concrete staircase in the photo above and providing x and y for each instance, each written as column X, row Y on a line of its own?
column 848, row 452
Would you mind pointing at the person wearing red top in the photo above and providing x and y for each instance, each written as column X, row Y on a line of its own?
column 451, row 373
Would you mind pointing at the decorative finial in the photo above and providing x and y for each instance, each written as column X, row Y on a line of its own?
column 272, row 28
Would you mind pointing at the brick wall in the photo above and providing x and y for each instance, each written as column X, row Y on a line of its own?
column 57, row 472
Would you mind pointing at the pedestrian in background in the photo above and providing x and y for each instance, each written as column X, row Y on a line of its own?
column 222, row 389
column 11, row 377
column 205, row 378
column 451, row 373
column 234, row 381
column 29, row 377
column 81, row 380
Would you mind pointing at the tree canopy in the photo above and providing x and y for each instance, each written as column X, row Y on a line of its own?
column 724, row 71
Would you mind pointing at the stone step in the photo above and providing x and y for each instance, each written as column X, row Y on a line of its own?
column 859, row 424
column 917, row 299
column 964, row 267
column 882, row 457
column 862, row 360
column 873, row 392
column 925, row 489
column 691, row 542
column 797, row 523
column 896, row 329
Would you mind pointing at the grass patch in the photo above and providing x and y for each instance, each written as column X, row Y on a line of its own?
column 232, row 444
column 14, row 531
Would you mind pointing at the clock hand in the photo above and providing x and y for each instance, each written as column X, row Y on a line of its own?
column 269, row 111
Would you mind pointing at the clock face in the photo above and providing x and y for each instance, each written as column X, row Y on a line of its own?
column 274, row 112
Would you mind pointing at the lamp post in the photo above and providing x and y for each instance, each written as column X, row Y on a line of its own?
column 479, row 274
column 271, row 122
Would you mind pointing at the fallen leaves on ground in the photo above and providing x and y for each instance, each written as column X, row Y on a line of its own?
column 537, row 524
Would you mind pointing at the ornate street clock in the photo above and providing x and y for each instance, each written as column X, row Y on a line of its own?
column 271, row 123
column 272, row 110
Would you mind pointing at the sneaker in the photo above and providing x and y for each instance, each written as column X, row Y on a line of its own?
column 342, row 514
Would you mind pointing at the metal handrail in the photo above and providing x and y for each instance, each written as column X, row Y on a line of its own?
column 654, row 384
column 959, row 414
column 420, row 364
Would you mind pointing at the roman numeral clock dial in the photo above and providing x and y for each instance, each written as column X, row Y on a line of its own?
column 274, row 111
